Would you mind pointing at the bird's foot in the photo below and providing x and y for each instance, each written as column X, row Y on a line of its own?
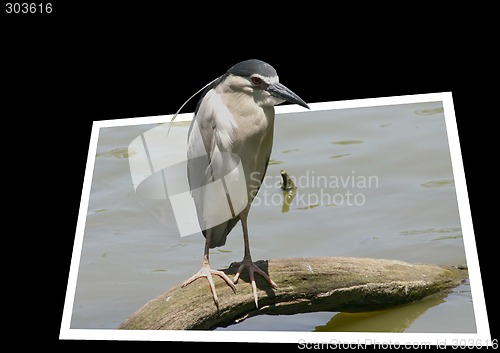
column 252, row 268
column 207, row 272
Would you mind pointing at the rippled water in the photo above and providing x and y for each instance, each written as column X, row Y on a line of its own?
column 372, row 182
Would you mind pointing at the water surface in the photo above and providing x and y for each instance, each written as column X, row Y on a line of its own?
column 372, row 182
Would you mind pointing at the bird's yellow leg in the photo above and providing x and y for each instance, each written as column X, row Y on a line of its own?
column 252, row 268
column 207, row 272
column 248, row 263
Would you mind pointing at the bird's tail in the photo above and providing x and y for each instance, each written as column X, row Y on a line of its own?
column 220, row 232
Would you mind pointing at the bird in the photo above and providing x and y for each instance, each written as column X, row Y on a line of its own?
column 229, row 147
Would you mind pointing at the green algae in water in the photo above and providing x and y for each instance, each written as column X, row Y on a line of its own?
column 310, row 207
column 429, row 111
column 430, row 230
column 347, row 142
column 438, row 183
column 340, row 155
column 290, row 150
column 117, row 153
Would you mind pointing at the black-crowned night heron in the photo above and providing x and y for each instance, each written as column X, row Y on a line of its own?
column 229, row 146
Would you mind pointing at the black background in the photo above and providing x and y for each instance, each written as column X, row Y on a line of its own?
column 89, row 62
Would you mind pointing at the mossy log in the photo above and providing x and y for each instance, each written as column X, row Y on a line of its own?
column 304, row 285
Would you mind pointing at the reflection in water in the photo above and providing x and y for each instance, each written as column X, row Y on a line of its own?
column 288, row 196
column 289, row 190
column 396, row 319
column 413, row 317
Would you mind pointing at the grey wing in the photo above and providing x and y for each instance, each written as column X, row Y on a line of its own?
column 205, row 165
column 203, row 136
column 199, row 151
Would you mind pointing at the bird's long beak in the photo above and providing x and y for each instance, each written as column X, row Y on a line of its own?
column 280, row 91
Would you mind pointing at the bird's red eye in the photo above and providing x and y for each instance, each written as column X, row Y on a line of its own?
column 256, row 80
